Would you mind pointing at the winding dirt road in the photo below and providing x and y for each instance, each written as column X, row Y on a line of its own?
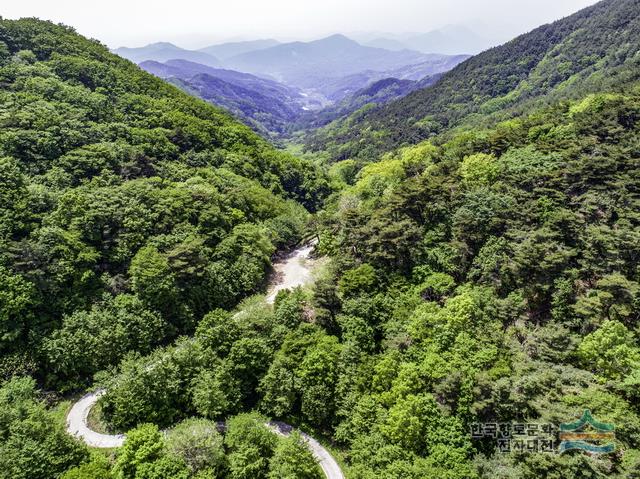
column 292, row 271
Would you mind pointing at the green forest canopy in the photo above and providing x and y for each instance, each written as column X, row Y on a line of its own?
column 488, row 275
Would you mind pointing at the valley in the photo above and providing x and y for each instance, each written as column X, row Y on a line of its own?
column 280, row 89
column 347, row 256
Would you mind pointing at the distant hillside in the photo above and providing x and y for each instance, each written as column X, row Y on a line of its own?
column 594, row 49
column 265, row 105
column 163, row 51
column 336, row 89
column 449, row 40
column 185, row 69
column 227, row 50
column 303, row 64
column 265, row 113
column 377, row 93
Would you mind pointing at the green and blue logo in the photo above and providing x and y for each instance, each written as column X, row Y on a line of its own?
column 588, row 435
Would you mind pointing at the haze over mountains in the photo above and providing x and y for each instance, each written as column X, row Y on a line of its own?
column 302, row 63
column 228, row 50
column 163, row 51
column 452, row 40
column 268, row 84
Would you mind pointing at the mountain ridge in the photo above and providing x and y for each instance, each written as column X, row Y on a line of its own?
column 163, row 51
column 556, row 60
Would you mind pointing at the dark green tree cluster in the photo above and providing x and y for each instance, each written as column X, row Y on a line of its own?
column 33, row 442
column 219, row 371
column 197, row 449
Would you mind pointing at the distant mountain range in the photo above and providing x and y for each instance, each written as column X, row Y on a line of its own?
column 271, row 85
column 225, row 51
column 301, row 64
column 305, row 64
column 163, row 51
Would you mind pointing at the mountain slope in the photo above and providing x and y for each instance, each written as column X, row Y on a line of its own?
column 587, row 51
column 266, row 113
column 163, row 51
column 185, row 70
column 377, row 93
column 501, row 272
column 108, row 173
column 336, row 89
column 265, row 105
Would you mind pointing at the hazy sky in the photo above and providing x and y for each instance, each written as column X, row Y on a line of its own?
column 193, row 23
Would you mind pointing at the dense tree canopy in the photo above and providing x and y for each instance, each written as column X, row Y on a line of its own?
column 487, row 275
column 129, row 209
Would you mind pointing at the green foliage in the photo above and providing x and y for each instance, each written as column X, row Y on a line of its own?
column 293, row 460
column 97, row 468
column 33, row 443
column 478, row 170
column 143, row 456
column 16, row 298
column 250, row 445
column 358, row 280
column 152, row 281
column 611, row 351
column 90, row 341
column 199, row 444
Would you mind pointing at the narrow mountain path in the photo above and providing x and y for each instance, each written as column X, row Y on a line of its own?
column 291, row 271
column 77, row 423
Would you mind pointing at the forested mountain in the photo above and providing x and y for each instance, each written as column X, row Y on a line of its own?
column 186, row 69
column 270, row 107
column 266, row 113
column 224, row 51
column 336, row 89
column 487, row 275
column 488, row 278
column 163, row 51
column 128, row 210
column 117, row 186
column 594, row 49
